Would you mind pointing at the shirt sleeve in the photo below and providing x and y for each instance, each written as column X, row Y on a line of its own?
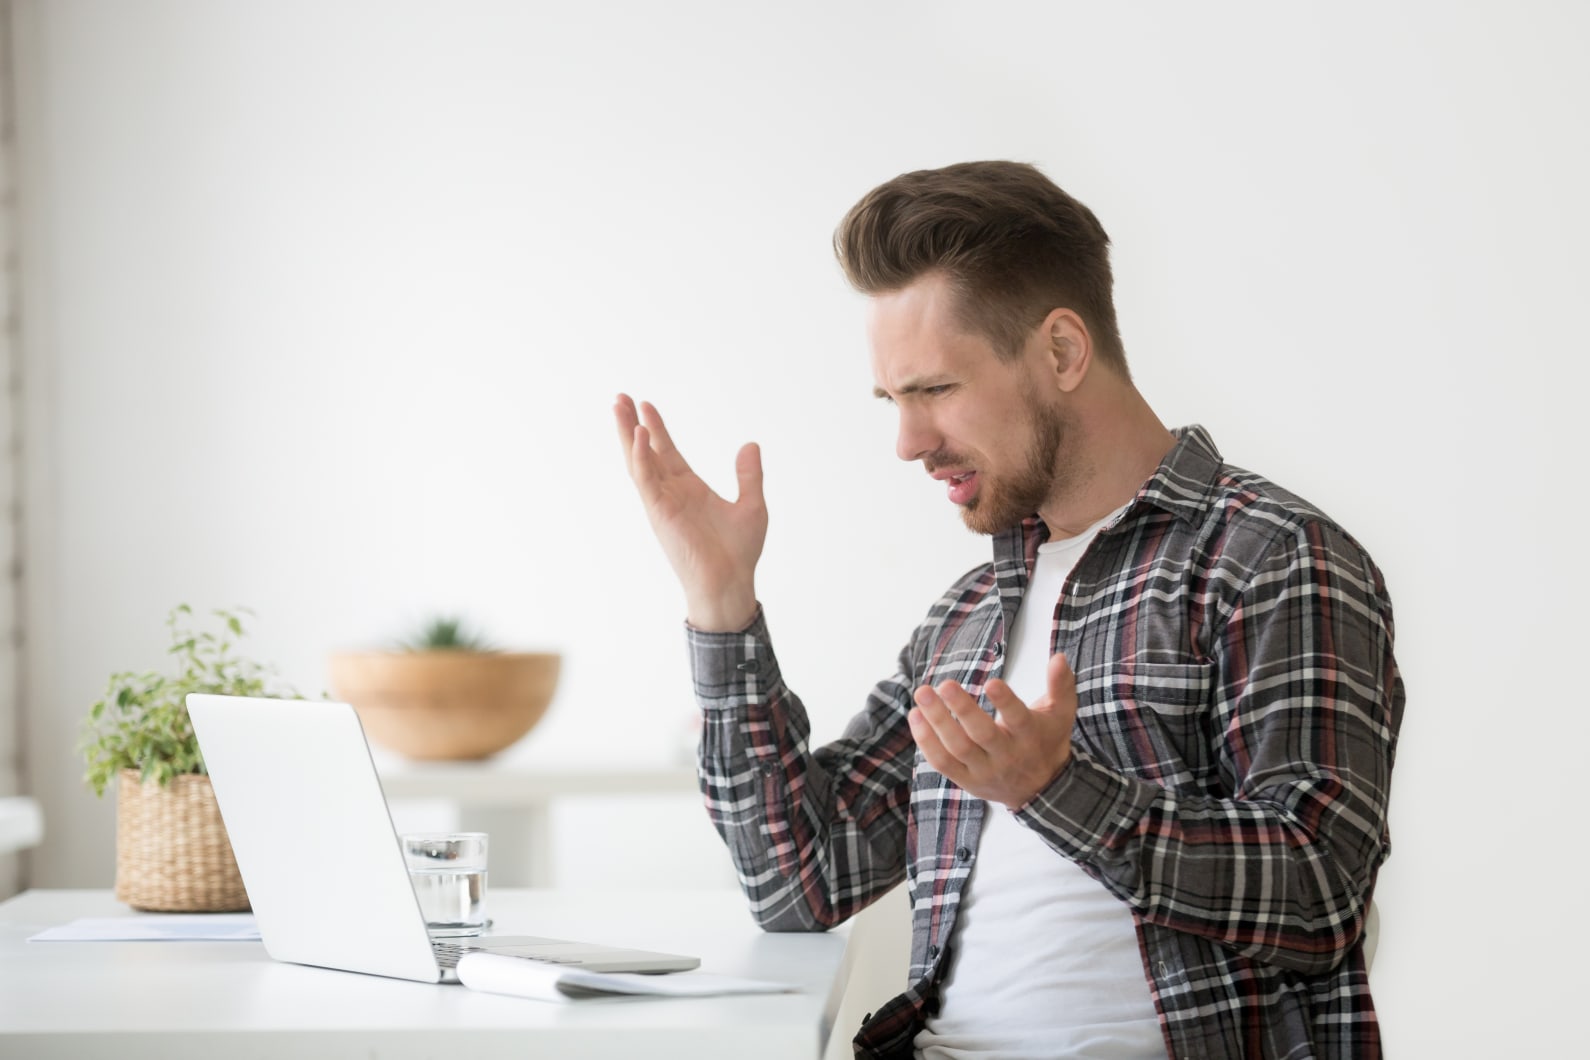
column 1305, row 709
column 815, row 835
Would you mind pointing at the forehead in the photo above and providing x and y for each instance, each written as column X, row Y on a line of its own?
column 916, row 336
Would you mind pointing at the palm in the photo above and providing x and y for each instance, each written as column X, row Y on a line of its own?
column 713, row 544
column 705, row 536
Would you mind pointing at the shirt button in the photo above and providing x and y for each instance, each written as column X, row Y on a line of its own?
column 749, row 666
column 963, row 854
column 769, row 768
column 933, row 951
column 999, row 648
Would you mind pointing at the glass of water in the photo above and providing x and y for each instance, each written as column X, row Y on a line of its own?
column 449, row 874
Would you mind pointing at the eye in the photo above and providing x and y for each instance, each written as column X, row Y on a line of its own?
column 938, row 390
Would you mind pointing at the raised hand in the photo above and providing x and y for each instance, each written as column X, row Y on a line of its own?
column 1007, row 759
column 712, row 544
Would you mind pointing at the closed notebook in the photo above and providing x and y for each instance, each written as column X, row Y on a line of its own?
column 497, row 973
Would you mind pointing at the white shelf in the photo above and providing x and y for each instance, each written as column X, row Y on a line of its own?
column 21, row 824
column 510, row 797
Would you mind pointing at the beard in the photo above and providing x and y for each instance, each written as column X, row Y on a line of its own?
column 1003, row 502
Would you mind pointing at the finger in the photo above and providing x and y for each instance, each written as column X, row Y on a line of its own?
column 933, row 749
column 1062, row 684
column 643, row 461
column 949, row 731
column 969, row 714
column 748, row 469
column 662, row 443
column 1014, row 714
column 624, row 416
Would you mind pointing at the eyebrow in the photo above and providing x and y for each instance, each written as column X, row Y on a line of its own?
column 910, row 387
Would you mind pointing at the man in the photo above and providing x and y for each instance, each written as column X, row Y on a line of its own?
column 1135, row 769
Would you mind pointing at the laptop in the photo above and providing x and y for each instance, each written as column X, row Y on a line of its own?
column 321, row 861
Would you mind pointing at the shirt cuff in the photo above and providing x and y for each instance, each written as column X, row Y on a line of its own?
column 732, row 670
column 1087, row 807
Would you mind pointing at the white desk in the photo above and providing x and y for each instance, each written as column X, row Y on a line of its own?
column 132, row 1000
column 511, row 797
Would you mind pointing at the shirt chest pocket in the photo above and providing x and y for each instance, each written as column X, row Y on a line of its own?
column 1151, row 720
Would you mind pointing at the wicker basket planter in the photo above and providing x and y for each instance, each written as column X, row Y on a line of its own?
column 172, row 851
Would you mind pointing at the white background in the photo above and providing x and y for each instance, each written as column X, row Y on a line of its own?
column 325, row 306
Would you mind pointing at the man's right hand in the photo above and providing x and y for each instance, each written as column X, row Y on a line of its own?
column 712, row 544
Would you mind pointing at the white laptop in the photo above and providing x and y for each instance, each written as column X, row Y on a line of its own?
column 303, row 805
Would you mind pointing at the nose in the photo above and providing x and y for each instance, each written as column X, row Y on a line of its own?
column 916, row 437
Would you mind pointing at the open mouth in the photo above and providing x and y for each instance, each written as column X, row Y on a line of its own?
column 962, row 488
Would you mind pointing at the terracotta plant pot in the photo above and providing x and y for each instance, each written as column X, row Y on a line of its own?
column 446, row 704
column 172, row 851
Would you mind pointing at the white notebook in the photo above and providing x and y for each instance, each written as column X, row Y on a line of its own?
column 496, row 973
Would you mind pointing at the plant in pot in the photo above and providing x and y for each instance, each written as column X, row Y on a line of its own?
column 172, row 852
column 446, row 692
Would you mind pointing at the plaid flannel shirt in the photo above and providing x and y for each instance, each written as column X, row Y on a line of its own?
column 1239, row 707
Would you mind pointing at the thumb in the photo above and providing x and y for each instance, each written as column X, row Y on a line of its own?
column 748, row 469
column 1062, row 686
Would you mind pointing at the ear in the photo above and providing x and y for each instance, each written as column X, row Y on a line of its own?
column 1069, row 347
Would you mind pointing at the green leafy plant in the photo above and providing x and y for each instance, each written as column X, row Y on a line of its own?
column 446, row 633
column 142, row 722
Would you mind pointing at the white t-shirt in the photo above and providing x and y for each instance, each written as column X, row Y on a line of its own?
column 1044, row 960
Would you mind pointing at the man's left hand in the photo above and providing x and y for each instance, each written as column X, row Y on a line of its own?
column 1006, row 759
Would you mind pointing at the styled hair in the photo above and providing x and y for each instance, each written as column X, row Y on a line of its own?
column 1012, row 243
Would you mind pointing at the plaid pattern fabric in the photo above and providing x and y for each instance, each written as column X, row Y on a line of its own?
column 1239, row 708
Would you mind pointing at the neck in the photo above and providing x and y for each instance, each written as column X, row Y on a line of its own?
column 1114, row 443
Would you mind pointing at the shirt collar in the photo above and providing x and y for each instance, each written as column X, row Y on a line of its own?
column 1186, row 481
column 1183, row 485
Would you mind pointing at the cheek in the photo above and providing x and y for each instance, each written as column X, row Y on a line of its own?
column 990, row 444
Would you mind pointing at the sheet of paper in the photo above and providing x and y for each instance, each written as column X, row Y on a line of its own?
column 496, row 973
column 155, row 927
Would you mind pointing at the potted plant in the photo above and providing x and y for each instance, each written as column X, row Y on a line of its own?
column 172, row 852
column 446, row 692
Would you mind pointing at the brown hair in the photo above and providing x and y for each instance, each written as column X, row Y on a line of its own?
column 1014, row 245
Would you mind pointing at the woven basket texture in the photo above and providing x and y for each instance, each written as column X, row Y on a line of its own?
column 172, row 852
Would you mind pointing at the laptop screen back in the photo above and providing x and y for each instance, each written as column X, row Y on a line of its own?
column 309, row 825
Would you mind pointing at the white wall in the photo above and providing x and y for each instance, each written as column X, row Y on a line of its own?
column 326, row 304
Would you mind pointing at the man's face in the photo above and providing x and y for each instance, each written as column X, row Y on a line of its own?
column 991, row 429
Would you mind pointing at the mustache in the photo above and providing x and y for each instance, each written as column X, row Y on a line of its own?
column 942, row 458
